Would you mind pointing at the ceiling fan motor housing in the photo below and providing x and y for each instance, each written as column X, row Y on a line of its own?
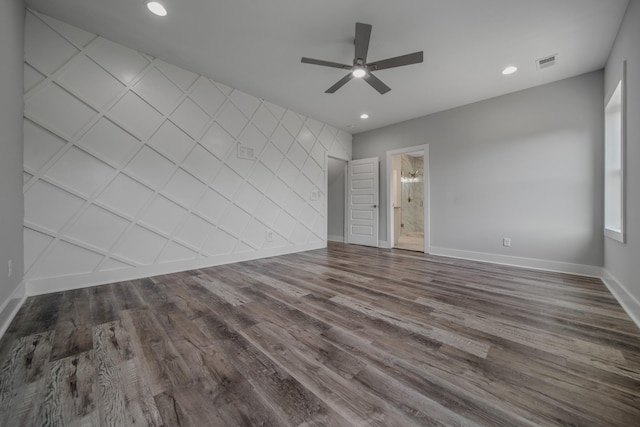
column 360, row 68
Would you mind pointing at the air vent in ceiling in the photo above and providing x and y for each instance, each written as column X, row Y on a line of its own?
column 547, row 61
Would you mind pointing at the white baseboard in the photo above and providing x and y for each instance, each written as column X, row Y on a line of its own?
column 78, row 281
column 384, row 244
column 10, row 307
column 630, row 304
column 335, row 238
column 533, row 263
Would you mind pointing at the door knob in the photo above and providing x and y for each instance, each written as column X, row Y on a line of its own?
column 375, row 206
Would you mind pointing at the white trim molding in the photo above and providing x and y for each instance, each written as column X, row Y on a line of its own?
column 10, row 307
column 533, row 263
column 384, row 244
column 628, row 302
column 79, row 281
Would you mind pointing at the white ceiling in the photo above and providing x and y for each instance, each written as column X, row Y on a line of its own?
column 256, row 46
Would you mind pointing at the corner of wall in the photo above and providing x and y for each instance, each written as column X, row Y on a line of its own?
column 628, row 302
column 10, row 307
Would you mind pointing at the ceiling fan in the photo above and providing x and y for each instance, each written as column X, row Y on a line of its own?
column 360, row 67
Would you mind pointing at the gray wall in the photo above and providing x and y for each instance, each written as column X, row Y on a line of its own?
column 527, row 165
column 335, row 199
column 621, row 260
column 11, row 199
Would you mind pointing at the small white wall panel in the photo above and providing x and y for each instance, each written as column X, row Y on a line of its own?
column 40, row 146
column 75, row 35
column 181, row 77
column 139, row 246
column 212, row 206
column 194, row 232
column 45, row 49
column 297, row 155
column 170, row 141
column 247, row 104
column 79, row 171
column 219, row 242
column 136, row 116
column 98, row 228
column 91, row 82
column 190, row 118
column 31, row 77
column 125, row 195
column 282, row 139
column 232, row 120
column 130, row 161
column 207, row 96
column 150, row 167
column 110, row 142
column 49, row 207
column 163, row 100
column 57, row 261
column 227, row 182
column 265, row 121
column 34, row 244
column 261, row 177
column 202, row 163
column 58, row 111
column 163, row 215
column 184, row 188
column 218, row 141
column 176, row 252
column 120, row 61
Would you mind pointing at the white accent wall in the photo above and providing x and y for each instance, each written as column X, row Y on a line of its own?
column 527, row 166
column 621, row 260
column 132, row 166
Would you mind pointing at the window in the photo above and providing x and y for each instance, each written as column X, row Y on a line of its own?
column 614, row 164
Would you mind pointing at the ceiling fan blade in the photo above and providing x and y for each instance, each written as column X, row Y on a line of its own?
column 339, row 84
column 377, row 84
column 363, row 35
column 398, row 61
column 325, row 63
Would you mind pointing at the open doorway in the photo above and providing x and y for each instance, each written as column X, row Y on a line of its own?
column 408, row 193
column 336, row 199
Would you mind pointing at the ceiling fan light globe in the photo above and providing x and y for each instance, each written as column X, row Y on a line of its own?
column 359, row 72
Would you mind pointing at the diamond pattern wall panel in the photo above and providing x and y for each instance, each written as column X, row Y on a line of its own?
column 130, row 161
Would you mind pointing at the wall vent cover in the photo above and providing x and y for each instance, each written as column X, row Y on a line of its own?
column 547, row 61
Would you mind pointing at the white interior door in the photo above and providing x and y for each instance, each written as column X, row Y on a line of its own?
column 362, row 207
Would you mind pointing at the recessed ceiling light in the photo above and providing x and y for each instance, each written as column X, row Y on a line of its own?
column 358, row 72
column 509, row 70
column 364, row 116
column 156, row 8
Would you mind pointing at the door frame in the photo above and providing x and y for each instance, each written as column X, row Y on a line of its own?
column 326, row 192
column 426, row 197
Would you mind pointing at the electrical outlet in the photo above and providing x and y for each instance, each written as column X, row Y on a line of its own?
column 245, row 152
column 9, row 268
column 506, row 242
column 268, row 236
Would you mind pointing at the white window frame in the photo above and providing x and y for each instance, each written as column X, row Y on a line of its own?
column 614, row 161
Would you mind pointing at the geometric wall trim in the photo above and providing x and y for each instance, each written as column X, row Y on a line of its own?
column 131, row 163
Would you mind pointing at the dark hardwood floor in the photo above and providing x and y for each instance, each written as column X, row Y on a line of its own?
column 343, row 336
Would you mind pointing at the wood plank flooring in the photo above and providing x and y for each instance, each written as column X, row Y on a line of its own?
column 343, row 336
